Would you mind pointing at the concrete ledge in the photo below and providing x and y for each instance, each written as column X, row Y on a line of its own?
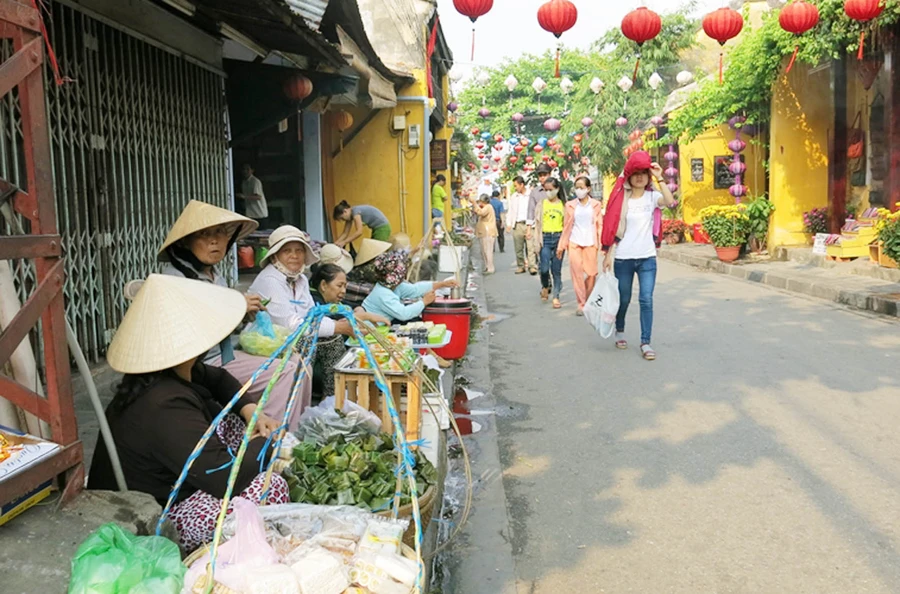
column 860, row 286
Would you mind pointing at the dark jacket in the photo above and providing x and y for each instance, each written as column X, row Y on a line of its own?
column 157, row 432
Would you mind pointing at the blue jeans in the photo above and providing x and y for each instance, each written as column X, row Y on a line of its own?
column 437, row 213
column 646, row 273
column 551, row 264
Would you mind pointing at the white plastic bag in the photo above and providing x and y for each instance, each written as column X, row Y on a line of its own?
column 603, row 304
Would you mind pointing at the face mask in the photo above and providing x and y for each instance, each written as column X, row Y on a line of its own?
column 581, row 192
column 552, row 193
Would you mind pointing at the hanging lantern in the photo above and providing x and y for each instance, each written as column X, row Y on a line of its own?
column 597, row 85
column 684, row 77
column 798, row 18
column 545, row 158
column 472, row 166
column 671, row 155
column 542, row 141
column 483, row 79
column 457, row 73
column 566, row 86
column 655, row 81
column 517, row 117
column 578, row 137
column 657, row 121
column 737, row 168
column 738, row 190
column 722, row 25
column 513, row 159
column 539, row 87
column 529, row 159
column 537, row 148
column 737, row 122
column 479, row 145
column 473, row 9
column 587, row 122
column 863, row 11
column 513, row 141
column 498, row 147
column 511, row 83
column 518, row 148
column 343, row 121
column 640, row 26
column 552, row 125
column 737, row 145
column 671, row 171
column 475, row 131
column 576, row 150
column 484, row 113
column 452, row 106
column 622, row 122
column 557, row 17
column 553, row 164
column 561, row 154
column 485, row 135
column 525, row 142
column 497, row 158
column 625, row 84
column 673, row 187
column 298, row 87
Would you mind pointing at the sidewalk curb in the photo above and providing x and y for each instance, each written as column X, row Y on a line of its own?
column 886, row 304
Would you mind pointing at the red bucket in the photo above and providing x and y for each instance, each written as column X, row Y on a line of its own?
column 700, row 235
column 456, row 314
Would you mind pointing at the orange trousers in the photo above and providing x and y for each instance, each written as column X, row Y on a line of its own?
column 583, row 264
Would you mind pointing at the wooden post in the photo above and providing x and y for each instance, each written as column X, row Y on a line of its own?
column 892, row 123
column 839, row 162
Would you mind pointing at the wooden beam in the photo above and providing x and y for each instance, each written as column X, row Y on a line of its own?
column 25, row 320
column 24, row 398
column 21, row 64
column 30, row 246
column 20, row 14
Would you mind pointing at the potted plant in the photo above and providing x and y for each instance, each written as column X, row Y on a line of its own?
column 727, row 227
column 673, row 230
column 815, row 221
column 759, row 211
column 888, row 228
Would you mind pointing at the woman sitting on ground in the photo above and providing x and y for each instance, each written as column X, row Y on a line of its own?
column 386, row 299
column 199, row 241
column 168, row 398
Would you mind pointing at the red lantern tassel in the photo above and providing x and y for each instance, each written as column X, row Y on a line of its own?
column 721, row 66
column 636, row 66
column 862, row 44
column 558, row 51
column 473, row 44
column 793, row 59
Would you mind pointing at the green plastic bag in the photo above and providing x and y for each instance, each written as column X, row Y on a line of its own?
column 113, row 561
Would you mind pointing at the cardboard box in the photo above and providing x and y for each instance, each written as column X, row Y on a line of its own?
column 10, row 510
column 21, row 451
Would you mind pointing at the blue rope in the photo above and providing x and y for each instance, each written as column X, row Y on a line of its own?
column 227, row 464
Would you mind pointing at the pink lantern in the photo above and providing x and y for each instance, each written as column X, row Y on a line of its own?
column 737, row 145
column 452, row 106
column 673, row 187
column 484, row 112
column 736, row 122
column 552, row 125
column 529, row 159
column 587, row 122
column 479, row 145
column 498, row 146
column 657, row 121
column 737, row 168
column 671, row 156
column 622, row 122
column 671, row 172
column 738, row 190
column 517, row 117
column 497, row 158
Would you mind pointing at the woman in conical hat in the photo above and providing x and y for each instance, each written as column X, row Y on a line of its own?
column 167, row 399
column 199, row 240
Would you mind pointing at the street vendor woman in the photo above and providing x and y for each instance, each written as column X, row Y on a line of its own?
column 168, row 398
column 386, row 299
column 199, row 240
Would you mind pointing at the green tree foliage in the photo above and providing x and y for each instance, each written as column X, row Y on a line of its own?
column 758, row 60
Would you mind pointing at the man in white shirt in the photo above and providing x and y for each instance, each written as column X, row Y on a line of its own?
column 517, row 224
column 252, row 193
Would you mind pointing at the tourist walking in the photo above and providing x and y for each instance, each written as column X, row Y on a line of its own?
column 582, row 237
column 550, row 215
column 486, row 231
column 355, row 218
column 517, row 224
column 630, row 238
column 499, row 211
column 535, row 199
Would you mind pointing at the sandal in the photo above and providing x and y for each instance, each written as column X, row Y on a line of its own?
column 648, row 353
column 621, row 343
column 545, row 294
column 557, row 304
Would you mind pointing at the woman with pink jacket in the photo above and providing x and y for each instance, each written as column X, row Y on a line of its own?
column 581, row 235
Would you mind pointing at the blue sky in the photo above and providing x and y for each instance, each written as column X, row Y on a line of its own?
column 511, row 28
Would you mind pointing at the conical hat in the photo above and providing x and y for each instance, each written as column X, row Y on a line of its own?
column 200, row 215
column 173, row 320
column 370, row 249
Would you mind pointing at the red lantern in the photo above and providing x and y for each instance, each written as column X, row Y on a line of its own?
column 546, row 158
column 561, row 154
column 537, row 148
column 498, row 138
column 557, row 17
column 518, row 148
column 641, row 26
column 475, row 131
column 529, row 159
column 578, row 137
column 553, row 164
column 863, row 11
column 298, row 87
column 722, row 25
column 473, row 9
column 472, row 166
column 798, row 18
column 479, row 145
column 513, row 159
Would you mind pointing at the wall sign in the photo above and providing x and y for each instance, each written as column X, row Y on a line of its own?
column 697, row 170
column 439, row 155
column 724, row 179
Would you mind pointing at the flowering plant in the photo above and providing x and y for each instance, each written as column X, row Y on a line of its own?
column 673, row 227
column 889, row 233
column 727, row 226
column 816, row 220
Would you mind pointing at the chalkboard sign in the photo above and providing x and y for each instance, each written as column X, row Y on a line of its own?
column 724, row 179
column 697, row 170
column 438, row 155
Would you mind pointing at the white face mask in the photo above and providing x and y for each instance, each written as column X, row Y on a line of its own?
column 552, row 193
column 581, row 192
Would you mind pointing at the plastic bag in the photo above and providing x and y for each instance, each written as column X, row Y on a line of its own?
column 261, row 337
column 112, row 560
column 247, row 549
column 324, row 422
column 603, row 304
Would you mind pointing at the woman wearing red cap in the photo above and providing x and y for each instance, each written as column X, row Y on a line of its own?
column 630, row 237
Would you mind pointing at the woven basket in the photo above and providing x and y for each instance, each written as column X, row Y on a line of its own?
column 426, row 511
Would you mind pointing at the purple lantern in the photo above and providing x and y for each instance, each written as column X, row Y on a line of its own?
column 587, row 122
column 673, row 187
column 671, row 156
column 484, row 112
column 738, row 190
column 622, row 122
column 452, row 106
column 749, row 130
column 657, row 120
column 737, row 145
column 552, row 125
column 737, row 168
column 517, row 117
column 671, row 171
column 736, row 122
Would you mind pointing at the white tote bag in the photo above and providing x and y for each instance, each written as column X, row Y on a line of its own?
column 603, row 304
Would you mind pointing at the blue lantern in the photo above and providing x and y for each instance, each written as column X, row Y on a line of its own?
column 542, row 141
column 514, row 140
column 486, row 136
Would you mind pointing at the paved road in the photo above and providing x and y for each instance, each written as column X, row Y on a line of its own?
column 760, row 453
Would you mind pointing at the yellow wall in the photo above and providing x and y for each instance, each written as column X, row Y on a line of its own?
column 802, row 115
column 696, row 196
column 446, row 133
column 368, row 170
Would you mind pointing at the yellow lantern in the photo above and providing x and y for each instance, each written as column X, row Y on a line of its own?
column 343, row 122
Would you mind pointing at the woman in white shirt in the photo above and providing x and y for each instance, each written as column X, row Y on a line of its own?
column 634, row 215
column 581, row 237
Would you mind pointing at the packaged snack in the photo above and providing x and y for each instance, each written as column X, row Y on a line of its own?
column 381, row 537
column 320, row 572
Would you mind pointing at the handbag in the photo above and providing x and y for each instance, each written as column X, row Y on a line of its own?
column 856, row 139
